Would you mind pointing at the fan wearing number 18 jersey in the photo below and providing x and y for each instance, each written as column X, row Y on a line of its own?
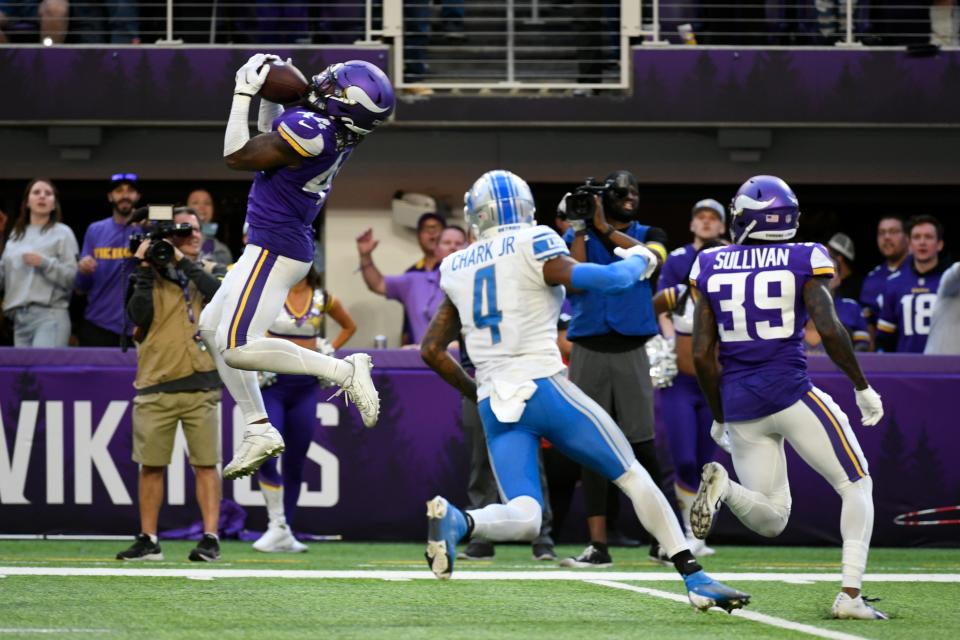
column 504, row 293
column 753, row 299
column 296, row 157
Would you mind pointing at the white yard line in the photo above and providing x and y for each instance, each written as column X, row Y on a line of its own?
column 740, row 613
column 57, row 631
column 142, row 570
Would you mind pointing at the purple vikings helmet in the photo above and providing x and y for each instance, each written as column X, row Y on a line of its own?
column 355, row 92
column 496, row 199
column 764, row 209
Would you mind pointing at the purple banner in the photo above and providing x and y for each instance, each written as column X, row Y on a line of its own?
column 65, row 452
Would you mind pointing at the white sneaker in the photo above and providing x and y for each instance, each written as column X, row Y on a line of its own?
column 279, row 539
column 847, row 608
column 254, row 450
column 713, row 484
column 360, row 388
column 699, row 548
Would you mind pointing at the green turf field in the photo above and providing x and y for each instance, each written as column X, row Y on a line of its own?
column 349, row 590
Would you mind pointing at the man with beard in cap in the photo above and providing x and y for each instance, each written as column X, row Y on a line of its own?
column 609, row 361
column 103, row 267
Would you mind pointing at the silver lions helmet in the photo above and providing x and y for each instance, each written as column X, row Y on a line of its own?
column 498, row 198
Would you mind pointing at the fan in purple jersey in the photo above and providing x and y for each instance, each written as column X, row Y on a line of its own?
column 851, row 316
column 893, row 244
column 296, row 157
column 753, row 299
column 906, row 306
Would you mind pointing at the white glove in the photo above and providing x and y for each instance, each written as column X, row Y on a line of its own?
column 266, row 378
column 662, row 355
column 720, row 435
column 250, row 77
column 643, row 252
column 324, row 347
column 578, row 225
column 871, row 409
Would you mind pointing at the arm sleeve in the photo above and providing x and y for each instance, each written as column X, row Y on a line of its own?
column 269, row 111
column 140, row 304
column 608, row 278
column 207, row 283
column 396, row 287
column 61, row 269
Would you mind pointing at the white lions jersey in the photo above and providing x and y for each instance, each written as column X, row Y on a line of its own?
column 508, row 313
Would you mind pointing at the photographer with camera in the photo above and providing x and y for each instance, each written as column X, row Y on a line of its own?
column 176, row 378
column 608, row 360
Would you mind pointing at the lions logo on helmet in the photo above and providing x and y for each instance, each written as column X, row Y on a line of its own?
column 496, row 199
column 355, row 92
column 764, row 209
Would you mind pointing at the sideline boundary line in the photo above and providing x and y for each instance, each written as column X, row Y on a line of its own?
column 762, row 618
column 639, row 576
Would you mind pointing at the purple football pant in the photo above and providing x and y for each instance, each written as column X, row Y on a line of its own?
column 688, row 420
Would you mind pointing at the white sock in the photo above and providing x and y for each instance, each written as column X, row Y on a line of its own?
column 242, row 385
column 766, row 515
column 273, row 496
column 519, row 519
column 282, row 356
column 856, row 528
column 652, row 509
column 685, row 502
column 153, row 538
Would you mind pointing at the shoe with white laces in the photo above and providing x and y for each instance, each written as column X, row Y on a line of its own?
column 705, row 592
column 847, row 608
column 446, row 526
column 260, row 443
column 591, row 558
column 279, row 539
column 699, row 548
column 360, row 389
column 713, row 484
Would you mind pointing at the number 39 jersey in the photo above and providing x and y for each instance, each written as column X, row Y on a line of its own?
column 284, row 202
column 508, row 313
column 756, row 293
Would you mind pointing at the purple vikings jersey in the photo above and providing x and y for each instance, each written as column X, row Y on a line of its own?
column 677, row 266
column 756, row 293
column 907, row 306
column 872, row 289
column 284, row 202
column 852, row 317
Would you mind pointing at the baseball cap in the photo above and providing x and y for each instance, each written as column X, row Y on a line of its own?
column 712, row 205
column 430, row 215
column 842, row 244
column 118, row 179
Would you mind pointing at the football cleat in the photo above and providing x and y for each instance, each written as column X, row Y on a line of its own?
column 446, row 526
column 279, row 539
column 847, row 608
column 705, row 592
column 360, row 389
column 713, row 484
column 591, row 558
column 260, row 442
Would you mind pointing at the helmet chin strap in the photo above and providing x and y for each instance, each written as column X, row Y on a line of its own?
column 746, row 232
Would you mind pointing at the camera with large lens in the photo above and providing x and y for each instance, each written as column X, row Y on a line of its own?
column 159, row 227
column 580, row 202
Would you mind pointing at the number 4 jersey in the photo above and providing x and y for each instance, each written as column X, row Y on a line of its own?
column 284, row 202
column 756, row 293
column 508, row 313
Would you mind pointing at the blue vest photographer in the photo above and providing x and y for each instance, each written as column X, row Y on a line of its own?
column 608, row 360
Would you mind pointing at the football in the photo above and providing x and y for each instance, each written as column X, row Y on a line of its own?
column 285, row 83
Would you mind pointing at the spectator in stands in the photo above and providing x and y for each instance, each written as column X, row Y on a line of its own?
column 843, row 253
column 419, row 291
column 893, row 245
column 291, row 404
column 944, row 23
column 945, row 322
column 103, row 268
column 17, row 14
column 609, row 361
column 848, row 311
column 201, row 201
column 109, row 21
column 909, row 296
column 429, row 227
column 176, row 382
column 38, row 268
